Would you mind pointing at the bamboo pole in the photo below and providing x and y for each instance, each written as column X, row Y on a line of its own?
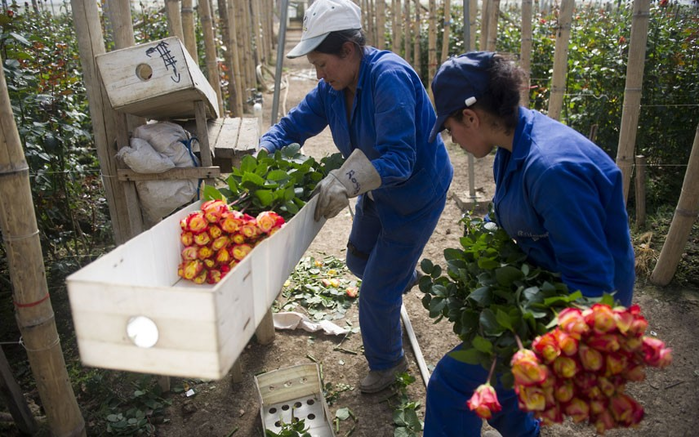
column 173, row 12
column 640, row 191
column 681, row 226
column 227, row 57
column 91, row 43
column 492, row 30
column 416, row 40
column 397, row 41
column 257, row 33
column 445, row 34
column 380, row 24
column 33, row 310
column 190, row 37
column 212, row 73
column 483, row 41
column 473, row 14
column 432, row 45
column 243, row 49
column 632, row 91
column 525, row 54
column 560, row 59
column 407, row 43
column 236, row 94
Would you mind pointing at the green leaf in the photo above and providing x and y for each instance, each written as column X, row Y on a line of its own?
column 253, row 178
column 342, row 413
column 503, row 319
column 468, row 356
column 482, row 345
column 489, row 323
column 266, row 197
column 481, row 296
column 212, row 193
column 427, row 266
column 248, row 164
column 508, row 275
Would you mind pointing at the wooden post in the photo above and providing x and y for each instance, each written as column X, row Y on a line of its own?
column 483, row 43
column 212, row 73
column 380, row 24
column 30, row 293
column 416, row 40
column 257, row 33
column 473, row 13
column 560, row 60
column 243, row 50
column 445, row 34
column 265, row 330
column 432, row 45
column 407, row 43
column 173, row 12
column 11, row 394
column 632, row 92
column 91, row 43
column 190, row 37
column 491, row 33
column 397, row 42
column 640, row 191
column 228, row 58
column 236, row 92
column 525, row 54
column 681, row 226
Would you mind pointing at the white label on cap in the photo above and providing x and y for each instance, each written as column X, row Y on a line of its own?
column 470, row 101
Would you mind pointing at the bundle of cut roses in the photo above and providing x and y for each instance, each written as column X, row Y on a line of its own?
column 580, row 369
column 216, row 238
column 565, row 355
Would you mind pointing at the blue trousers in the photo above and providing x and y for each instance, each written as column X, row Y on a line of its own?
column 447, row 415
column 384, row 257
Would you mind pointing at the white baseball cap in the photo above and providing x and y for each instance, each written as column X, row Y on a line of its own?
column 323, row 17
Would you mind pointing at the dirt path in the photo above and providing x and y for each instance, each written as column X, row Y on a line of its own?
column 670, row 397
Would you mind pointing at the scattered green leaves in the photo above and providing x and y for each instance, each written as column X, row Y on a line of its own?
column 296, row 428
column 405, row 417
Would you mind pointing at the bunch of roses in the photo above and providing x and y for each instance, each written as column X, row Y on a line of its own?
column 580, row 369
column 217, row 238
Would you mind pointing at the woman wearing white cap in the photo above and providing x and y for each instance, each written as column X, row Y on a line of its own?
column 556, row 193
column 380, row 117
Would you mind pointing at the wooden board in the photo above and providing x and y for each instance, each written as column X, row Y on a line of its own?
column 157, row 80
column 202, row 328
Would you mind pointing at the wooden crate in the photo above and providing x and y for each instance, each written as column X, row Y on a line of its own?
column 297, row 391
column 202, row 329
column 157, row 80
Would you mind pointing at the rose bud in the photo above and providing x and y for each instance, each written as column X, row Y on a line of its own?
column 568, row 344
column 240, row 251
column 655, row 353
column 565, row 391
column 638, row 327
column 250, row 231
column 623, row 319
column 604, row 422
column 209, row 263
column 201, row 278
column 550, row 416
column 202, row 239
column 214, row 231
column 590, row 358
column 222, row 256
column 205, row 252
column 597, row 406
column 220, row 243
column 604, row 343
column 527, row 369
column 268, row 220
column 183, row 224
column 547, row 346
column 196, row 222
column 635, row 373
column 532, row 398
column 214, row 276
column 230, row 221
column 180, row 269
column 578, row 410
column 238, row 238
column 625, row 409
column 616, row 363
column 565, row 367
column 187, row 238
column 213, row 209
column 601, row 318
column 192, row 269
column 606, row 386
column 189, row 253
column 484, row 402
column 352, row 292
column 233, row 263
column 632, row 344
column 274, row 230
column 572, row 322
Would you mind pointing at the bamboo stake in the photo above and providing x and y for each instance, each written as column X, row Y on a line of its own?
column 252, row 60
column 397, row 41
column 257, row 32
column 492, row 29
column 416, row 40
column 380, row 24
column 632, row 92
column 525, row 54
column 560, row 60
column 473, row 13
column 227, row 57
column 174, row 18
column 190, row 37
column 33, row 310
column 235, row 68
column 243, row 51
column 681, row 226
column 432, row 45
column 212, row 73
column 445, row 34
column 640, row 191
column 407, row 43
column 91, row 43
column 483, row 41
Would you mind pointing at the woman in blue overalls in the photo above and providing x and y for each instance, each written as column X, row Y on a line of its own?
column 380, row 117
column 557, row 194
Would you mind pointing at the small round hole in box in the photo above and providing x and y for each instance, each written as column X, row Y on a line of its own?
column 144, row 72
column 311, row 401
column 142, row 331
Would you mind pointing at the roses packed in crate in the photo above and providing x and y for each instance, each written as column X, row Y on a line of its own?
column 268, row 190
column 565, row 355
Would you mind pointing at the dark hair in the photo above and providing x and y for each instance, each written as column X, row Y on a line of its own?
column 501, row 98
column 332, row 44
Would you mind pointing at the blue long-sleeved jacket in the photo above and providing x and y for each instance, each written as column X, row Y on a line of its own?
column 390, row 122
column 561, row 198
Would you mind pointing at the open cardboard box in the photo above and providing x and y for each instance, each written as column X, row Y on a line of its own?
column 200, row 330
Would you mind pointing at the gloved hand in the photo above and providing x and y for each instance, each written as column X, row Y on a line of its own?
column 356, row 176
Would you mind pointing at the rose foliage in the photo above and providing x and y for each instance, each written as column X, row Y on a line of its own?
column 565, row 355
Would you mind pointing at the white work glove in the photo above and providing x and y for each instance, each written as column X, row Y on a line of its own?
column 356, row 176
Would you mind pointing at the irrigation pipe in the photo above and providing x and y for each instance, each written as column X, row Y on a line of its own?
column 416, row 346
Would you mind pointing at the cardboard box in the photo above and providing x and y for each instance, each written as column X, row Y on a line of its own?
column 294, row 393
column 157, row 80
column 201, row 329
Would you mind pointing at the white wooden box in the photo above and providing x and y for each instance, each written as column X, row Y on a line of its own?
column 294, row 392
column 157, row 80
column 202, row 329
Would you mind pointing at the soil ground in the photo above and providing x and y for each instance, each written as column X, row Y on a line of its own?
column 223, row 408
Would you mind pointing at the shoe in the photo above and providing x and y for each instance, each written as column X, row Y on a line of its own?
column 418, row 275
column 378, row 380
